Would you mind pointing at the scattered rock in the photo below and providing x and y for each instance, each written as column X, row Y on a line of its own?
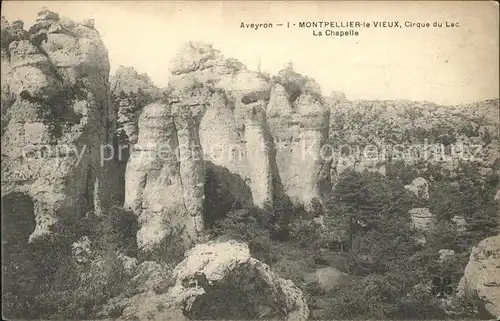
column 46, row 14
column 445, row 255
column 81, row 250
column 422, row 218
column 130, row 93
column 419, row 187
column 327, row 278
column 460, row 222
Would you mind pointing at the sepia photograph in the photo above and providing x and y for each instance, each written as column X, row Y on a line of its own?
column 250, row 160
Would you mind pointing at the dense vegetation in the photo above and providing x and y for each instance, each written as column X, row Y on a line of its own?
column 368, row 235
column 61, row 281
column 398, row 272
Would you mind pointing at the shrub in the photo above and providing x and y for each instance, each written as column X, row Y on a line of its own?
column 61, row 286
column 246, row 225
column 170, row 250
column 381, row 297
column 78, row 290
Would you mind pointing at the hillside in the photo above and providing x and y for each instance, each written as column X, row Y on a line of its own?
column 234, row 194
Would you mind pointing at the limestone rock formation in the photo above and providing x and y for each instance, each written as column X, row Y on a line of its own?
column 482, row 274
column 298, row 120
column 413, row 132
column 55, row 115
column 166, row 170
column 419, row 187
column 130, row 92
column 217, row 281
column 233, row 130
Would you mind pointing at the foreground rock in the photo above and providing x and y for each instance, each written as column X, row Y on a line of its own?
column 218, row 281
column 55, row 115
column 482, row 274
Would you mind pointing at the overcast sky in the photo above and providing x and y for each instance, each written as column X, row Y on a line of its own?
column 444, row 65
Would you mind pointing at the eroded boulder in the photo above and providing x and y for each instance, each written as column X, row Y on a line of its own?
column 419, row 187
column 482, row 274
column 422, row 218
column 219, row 281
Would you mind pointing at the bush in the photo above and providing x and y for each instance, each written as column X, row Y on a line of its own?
column 381, row 297
column 170, row 251
column 61, row 286
column 306, row 234
column 246, row 225
column 79, row 290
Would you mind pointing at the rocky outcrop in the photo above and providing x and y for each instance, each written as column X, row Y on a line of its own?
column 416, row 132
column 236, row 129
column 188, row 106
column 482, row 274
column 298, row 120
column 216, row 281
column 166, row 170
column 130, row 92
column 233, row 130
column 56, row 114
column 327, row 278
column 445, row 255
